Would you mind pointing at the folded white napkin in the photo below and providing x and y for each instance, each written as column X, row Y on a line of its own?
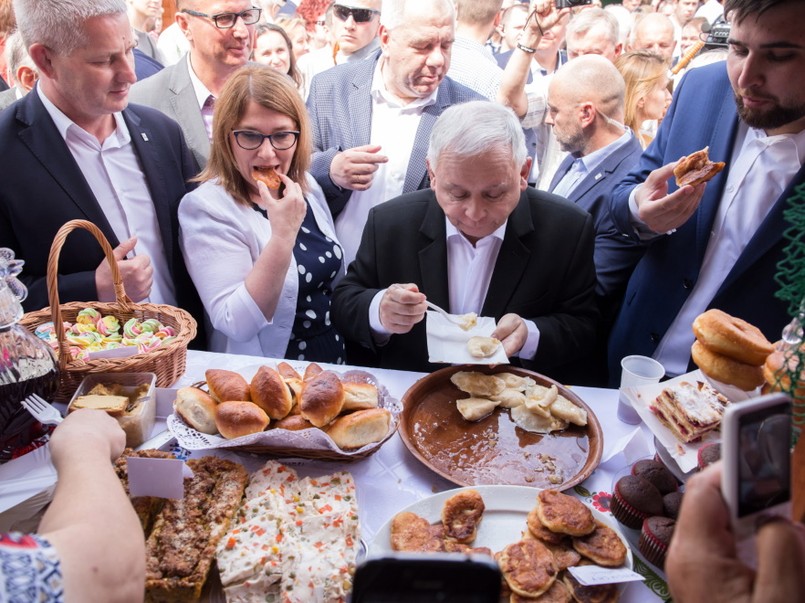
column 447, row 342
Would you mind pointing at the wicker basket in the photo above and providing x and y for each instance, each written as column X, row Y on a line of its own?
column 167, row 362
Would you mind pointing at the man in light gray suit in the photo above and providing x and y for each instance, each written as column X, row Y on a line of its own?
column 221, row 36
column 372, row 119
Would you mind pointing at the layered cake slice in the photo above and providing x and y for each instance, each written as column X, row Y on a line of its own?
column 690, row 410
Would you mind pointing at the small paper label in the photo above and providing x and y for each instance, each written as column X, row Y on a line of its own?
column 593, row 575
column 163, row 478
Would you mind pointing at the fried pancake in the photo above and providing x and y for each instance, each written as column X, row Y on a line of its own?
column 557, row 593
column 412, row 533
column 562, row 513
column 529, row 567
column 539, row 531
column 602, row 546
column 602, row 593
column 461, row 515
column 478, row 384
column 564, row 554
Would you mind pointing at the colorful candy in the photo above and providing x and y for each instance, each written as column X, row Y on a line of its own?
column 93, row 332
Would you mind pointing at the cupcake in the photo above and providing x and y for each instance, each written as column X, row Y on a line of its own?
column 656, row 473
column 671, row 503
column 655, row 536
column 708, row 454
column 634, row 500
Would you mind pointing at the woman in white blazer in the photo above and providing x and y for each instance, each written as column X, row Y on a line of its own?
column 263, row 260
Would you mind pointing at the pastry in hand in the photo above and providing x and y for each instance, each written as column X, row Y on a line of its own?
column 696, row 168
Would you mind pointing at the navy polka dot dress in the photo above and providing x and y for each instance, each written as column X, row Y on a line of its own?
column 318, row 260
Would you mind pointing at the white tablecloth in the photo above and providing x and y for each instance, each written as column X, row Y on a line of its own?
column 390, row 479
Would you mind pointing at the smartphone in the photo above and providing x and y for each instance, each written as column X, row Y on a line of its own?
column 415, row 577
column 756, row 472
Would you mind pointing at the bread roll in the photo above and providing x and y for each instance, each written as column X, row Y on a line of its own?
column 359, row 396
column 226, row 385
column 287, row 372
column 197, row 409
column 360, row 428
column 271, row 393
column 322, row 398
column 293, row 423
column 237, row 418
column 311, row 370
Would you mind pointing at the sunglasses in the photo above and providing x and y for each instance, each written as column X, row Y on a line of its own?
column 360, row 15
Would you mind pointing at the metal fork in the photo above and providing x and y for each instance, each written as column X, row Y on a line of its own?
column 465, row 321
column 42, row 410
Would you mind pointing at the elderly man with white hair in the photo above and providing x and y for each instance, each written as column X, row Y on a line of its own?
column 479, row 240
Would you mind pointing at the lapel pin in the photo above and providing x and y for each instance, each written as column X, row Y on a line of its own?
column 145, row 136
column 598, row 176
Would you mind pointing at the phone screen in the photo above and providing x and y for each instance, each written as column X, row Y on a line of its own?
column 764, row 471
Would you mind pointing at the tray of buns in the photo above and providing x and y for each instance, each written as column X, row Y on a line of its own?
column 471, row 441
column 277, row 410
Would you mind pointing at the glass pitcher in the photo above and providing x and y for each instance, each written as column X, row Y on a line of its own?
column 27, row 366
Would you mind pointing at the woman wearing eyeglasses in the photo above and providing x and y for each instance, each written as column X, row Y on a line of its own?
column 263, row 261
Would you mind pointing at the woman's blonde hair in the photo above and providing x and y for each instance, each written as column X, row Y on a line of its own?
column 270, row 89
column 642, row 70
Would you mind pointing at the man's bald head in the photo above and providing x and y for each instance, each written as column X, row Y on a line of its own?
column 592, row 78
column 654, row 32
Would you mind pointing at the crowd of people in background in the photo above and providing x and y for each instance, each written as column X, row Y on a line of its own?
column 512, row 159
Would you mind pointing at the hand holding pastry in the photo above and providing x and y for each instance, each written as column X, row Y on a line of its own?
column 287, row 212
column 660, row 211
column 401, row 307
column 512, row 333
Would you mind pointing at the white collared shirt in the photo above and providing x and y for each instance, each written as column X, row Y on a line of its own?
column 469, row 272
column 761, row 169
column 113, row 173
column 393, row 127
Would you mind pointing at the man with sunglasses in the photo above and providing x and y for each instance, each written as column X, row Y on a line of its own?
column 221, row 36
column 355, row 24
column 372, row 119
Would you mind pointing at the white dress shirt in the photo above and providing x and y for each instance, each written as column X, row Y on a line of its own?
column 761, row 169
column 113, row 173
column 469, row 272
column 394, row 127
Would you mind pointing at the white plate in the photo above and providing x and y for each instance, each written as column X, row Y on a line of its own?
column 503, row 523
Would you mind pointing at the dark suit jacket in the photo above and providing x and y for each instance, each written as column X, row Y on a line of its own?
column 544, row 272
column 615, row 255
column 340, row 107
column 43, row 188
column 702, row 113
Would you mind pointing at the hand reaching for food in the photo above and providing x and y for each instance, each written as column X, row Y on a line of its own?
column 512, row 332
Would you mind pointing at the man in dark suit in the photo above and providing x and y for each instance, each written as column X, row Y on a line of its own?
column 371, row 119
column 72, row 149
column 717, row 244
column 479, row 241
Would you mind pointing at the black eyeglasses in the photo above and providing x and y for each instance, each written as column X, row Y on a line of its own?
column 227, row 20
column 361, row 15
column 250, row 140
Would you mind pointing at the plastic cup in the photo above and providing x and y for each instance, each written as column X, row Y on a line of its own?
column 635, row 371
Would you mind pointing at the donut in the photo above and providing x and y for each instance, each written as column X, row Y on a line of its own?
column 696, row 168
column 726, row 370
column 777, row 373
column 732, row 337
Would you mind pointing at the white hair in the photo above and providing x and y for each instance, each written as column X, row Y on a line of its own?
column 59, row 24
column 472, row 128
column 392, row 13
